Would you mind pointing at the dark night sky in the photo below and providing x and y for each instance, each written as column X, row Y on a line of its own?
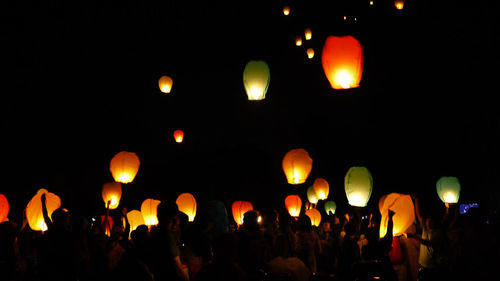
column 82, row 86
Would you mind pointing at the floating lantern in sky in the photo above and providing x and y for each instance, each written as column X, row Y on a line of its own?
column 165, row 84
column 286, row 10
column 4, row 208
column 256, row 78
column 239, row 209
column 149, row 208
column 297, row 165
column 308, row 34
column 399, row 4
column 293, row 205
column 342, row 60
column 315, row 216
column 310, row 53
column 178, row 136
column 371, row 2
column 448, row 189
column 311, row 195
column 135, row 219
column 111, row 192
column 187, row 204
column 321, row 188
column 330, row 206
column 298, row 41
column 358, row 186
column 402, row 205
column 124, row 166
column 34, row 209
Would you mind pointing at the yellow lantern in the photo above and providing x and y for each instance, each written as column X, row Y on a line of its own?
column 330, row 206
column 448, row 189
column 310, row 53
column 358, row 186
column 399, row 4
column 124, row 166
column 256, row 78
column 293, row 205
column 315, row 216
column 165, row 84
column 298, row 41
column 4, row 208
column 286, row 10
column 402, row 205
column 148, row 210
column 178, row 136
column 321, row 188
column 111, row 192
column 135, row 219
column 308, row 34
column 187, row 204
column 311, row 195
column 297, row 165
column 239, row 209
column 34, row 209
column 371, row 2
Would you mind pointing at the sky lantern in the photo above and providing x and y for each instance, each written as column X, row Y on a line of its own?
column 124, row 166
column 448, row 189
column 165, row 84
column 311, row 195
column 298, row 41
column 402, row 205
column 148, row 210
column 239, row 209
column 310, row 53
column 399, row 4
column 330, row 206
column 297, row 165
column 178, row 136
column 321, row 188
column 112, row 192
column 293, row 205
column 342, row 60
column 135, row 219
column 358, row 186
column 315, row 216
column 371, row 2
column 286, row 10
column 4, row 208
column 308, row 34
column 256, row 78
column 34, row 209
column 187, row 204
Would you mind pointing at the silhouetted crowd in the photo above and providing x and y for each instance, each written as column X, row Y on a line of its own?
column 442, row 244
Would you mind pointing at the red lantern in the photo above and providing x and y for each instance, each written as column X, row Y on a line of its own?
column 107, row 225
column 178, row 136
column 4, row 208
column 321, row 188
column 293, row 205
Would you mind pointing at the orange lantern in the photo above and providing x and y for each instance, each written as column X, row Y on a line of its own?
column 4, row 208
column 342, row 60
column 165, row 84
column 148, row 210
column 310, row 53
column 187, row 204
column 321, row 188
column 308, row 34
column 178, row 136
column 315, row 216
column 297, row 165
column 124, row 166
column 399, row 4
column 111, row 192
column 135, row 219
column 34, row 209
column 402, row 205
column 293, row 205
column 286, row 10
column 107, row 225
column 371, row 2
column 298, row 41
column 239, row 209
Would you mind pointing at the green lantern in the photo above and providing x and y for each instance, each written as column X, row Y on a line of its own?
column 311, row 195
column 330, row 206
column 256, row 77
column 358, row 186
column 448, row 189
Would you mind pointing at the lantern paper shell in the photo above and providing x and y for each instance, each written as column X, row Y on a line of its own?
column 308, row 34
column 448, row 189
column 321, row 188
column 34, row 209
column 165, row 83
column 286, row 10
column 124, row 166
column 404, row 215
column 293, row 205
column 297, row 165
column 4, row 208
column 330, row 206
column 148, row 210
column 399, row 4
column 178, row 136
column 315, row 216
column 256, row 78
column 342, row 60
column 310, row 53
column 135, row 219
column 311, row 195
column 298, row 41
column 239, row 209
column 112, row 192
column 358, row 186
column 187, row 204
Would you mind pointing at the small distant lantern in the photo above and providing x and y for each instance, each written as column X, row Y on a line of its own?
column 311, row 195
column 34, row 209
column 308, row 34
column 358, row 186
column 107, row 225
column 187, row 204
column 371, row 2
column 149, row 209
column 342, row 60
column 293, row 205
column 321, row 188
column 402, row 205
column 124, row 166
column 315, row 216
column 165, row 84
column 310, row 53
column 298, row 41
column 178, row 136
column 297, row 165
column 239, row 209
column 448, row 189
column 112, row 193
column 4, row 208
column 399, row 4
column 256, row 78
column 286, row 10
column 135, row 219
column 330, row 207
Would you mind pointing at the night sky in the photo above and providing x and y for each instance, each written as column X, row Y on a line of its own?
column 81, row 85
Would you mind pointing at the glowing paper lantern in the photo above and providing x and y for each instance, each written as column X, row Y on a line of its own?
column 256, row 78
column 178, row 136
column 286, row 10
column 239, row 209
column 330, row 206
column 310, row 53
column 107, row 225
column 404, row 215
column 4, row 208
column 135, row 219
column 321, row 188
column 148, row 210
column 165, row 84
column 311, row 195
column 448, row 189
column 297, row 165
column 187, row 204
column 342, row 60
column 293, row 205
column 371, row 2
column 358, row 186
column 298, row 41
column 399, row 4
column 112, row 192
column 34, row 209
column 315, row 216
column 308, row 34
column 124, row 166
